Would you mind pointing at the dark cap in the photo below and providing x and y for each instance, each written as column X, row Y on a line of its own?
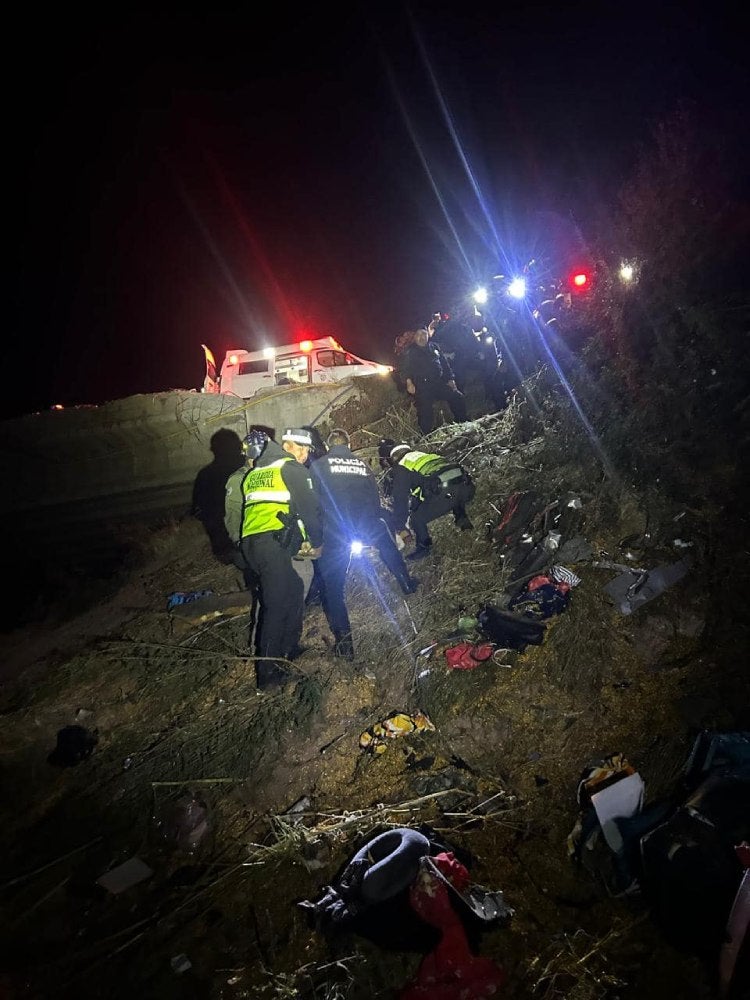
column 384, row 447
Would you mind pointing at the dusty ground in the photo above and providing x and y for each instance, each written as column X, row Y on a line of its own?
column 173, row 701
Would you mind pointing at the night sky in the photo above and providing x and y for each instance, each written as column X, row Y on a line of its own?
column 251, row 176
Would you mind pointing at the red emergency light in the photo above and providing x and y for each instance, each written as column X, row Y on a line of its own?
column 580, row 280
column 306, row 346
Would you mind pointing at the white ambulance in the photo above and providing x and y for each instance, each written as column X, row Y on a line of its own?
column 310, row 362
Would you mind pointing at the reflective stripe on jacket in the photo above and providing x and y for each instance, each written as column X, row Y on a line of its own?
column 423, row 462
column 441, row 472
column 265, row 497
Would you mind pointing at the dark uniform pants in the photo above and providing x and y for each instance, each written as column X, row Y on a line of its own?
column 379, row 536
column 428, row 394
column 333, row 564
column 281, row 596
column 454, row 499
column 492, row 377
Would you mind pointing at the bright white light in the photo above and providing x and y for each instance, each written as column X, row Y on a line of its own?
column 480, row 296
column 517, row 288
column 268, row 352
column 488, row 340
column 357, row 548
column 626, row 272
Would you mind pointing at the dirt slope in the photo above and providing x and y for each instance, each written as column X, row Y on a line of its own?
column 172, row 697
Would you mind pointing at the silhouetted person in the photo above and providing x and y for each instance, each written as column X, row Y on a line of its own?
column 209, row 491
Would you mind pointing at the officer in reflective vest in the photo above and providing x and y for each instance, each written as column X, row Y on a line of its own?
column 425, row 486
column 280, row 515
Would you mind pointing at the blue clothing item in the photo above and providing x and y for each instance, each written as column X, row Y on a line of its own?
column 186, row 597
column 545, row 601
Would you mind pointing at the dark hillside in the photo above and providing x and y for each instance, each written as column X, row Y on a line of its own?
column 634, row 453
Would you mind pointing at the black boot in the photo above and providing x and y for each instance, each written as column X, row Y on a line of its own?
column 344, row 646
column 409, row 584
column 270, row 674
column 420, row 551
column 296, row 651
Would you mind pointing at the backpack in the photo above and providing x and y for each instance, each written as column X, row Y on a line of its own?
column 517, row 517
column 370, row 895
column 521, row 533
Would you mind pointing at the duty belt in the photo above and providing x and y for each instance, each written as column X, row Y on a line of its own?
column 451, row 476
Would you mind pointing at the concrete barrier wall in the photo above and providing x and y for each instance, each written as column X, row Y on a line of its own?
column 147, row 444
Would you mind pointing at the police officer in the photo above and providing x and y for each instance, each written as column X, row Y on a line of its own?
column 280, row 515
column 350, row 503
column 429, row 378
column 429, row 486
column 471, row 349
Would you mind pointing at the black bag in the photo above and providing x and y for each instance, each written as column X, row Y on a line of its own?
column 380, row 911
column 520, row 515
column 690, row 869
column 510, row 631
column 74, row 744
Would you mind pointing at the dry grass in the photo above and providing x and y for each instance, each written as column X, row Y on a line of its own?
column 176, row 709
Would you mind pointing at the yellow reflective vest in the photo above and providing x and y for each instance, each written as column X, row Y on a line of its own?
column 266, row 495
column 425, row 463
column 441, row 471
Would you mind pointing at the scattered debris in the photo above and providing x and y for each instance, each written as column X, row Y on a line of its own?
column 179, row 597
column 635, row 587
column 74, row 744
column 438, row 916
column 295, row 811
column 124, row 876
column 510, row 631
column 185, row 824
column 541, row 598
column 375, row 738
column 468, row 656
column 180, row 964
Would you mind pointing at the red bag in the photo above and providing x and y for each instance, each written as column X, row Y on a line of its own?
column 467, row 655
